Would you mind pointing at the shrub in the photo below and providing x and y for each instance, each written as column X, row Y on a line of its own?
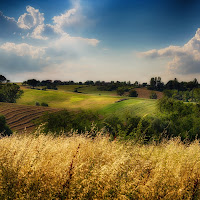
column 120, row 91
column 66, row 121
column 37, row 103
column 45, row 88
column 44, row 104
column 4, row 129
column 153, row 95
column 133, row 93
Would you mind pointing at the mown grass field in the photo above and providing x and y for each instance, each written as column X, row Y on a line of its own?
column 131, row 107
column 78, row 167
column 90, row 98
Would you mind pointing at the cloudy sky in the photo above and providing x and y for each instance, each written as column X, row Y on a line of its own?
column 100, row 39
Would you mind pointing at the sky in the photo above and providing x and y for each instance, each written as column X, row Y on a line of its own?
column 107, row 40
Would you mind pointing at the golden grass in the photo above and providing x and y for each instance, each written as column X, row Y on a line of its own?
column 78, row 167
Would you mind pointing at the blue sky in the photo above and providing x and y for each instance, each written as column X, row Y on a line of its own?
column 100, row 39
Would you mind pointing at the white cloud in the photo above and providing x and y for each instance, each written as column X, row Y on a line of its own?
column 183, row 59
column 23, row 49
column 71, row 18
column 31, row 19
column 37, row 32
column 66, row 18
column 58, row 49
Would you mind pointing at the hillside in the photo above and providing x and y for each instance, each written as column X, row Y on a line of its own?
column 19, row 117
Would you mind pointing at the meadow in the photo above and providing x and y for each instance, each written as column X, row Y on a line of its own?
column 90, row 98
column 80, row 167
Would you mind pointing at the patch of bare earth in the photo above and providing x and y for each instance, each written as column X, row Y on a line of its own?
column 20, row 117
column 144, row 93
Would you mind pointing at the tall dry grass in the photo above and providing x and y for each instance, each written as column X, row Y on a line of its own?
column 78, row 167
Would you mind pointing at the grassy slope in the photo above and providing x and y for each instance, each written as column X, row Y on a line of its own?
column 133, row 106
column 64, row 97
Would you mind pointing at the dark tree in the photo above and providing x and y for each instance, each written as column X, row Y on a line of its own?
column 33, row 82
column 133, row 93
column 120, row 91
column 2, row 79
column 4, row 129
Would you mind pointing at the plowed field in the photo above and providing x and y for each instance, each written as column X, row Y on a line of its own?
column 20, row 117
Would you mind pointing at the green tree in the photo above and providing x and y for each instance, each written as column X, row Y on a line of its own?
column 4, row 129
column 120, row 91
column 10, row 93
column 153, row 95
column 133, row 93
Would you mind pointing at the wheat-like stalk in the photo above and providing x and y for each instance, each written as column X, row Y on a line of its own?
column 78, row 167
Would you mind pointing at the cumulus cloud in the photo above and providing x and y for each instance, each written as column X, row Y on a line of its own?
column 31, row 19
column 23, row 49
column 183, row 59
column 58, row 48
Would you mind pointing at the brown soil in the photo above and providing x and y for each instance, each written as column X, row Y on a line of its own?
column 144, row 93
column 20, row 117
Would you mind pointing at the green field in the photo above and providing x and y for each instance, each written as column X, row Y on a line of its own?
column 132, row 107
column 102, row 101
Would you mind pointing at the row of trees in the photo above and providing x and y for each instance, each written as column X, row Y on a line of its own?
column 157, row 84
column 101, row 85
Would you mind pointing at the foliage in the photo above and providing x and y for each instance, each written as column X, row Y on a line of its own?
column 133, row 93
column 120, row 91
column 37, row 103
column 44, row 104
column 10, row 93
column 156, row 84
column 32, row 82
column 2, row 79
column 4, row 129
column 153, row 95
column 65, row 121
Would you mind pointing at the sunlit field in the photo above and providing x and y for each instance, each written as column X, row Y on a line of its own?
column 79, row 167
column 131, row 107
column 105, row 103
column 62, row 99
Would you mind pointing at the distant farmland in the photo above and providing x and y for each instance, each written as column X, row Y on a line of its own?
column 22, row 114
column 19, row 117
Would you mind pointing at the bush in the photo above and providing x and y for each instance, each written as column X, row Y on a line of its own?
column 66, row 121
column 44, row 104
column 37, row 103
column 133, row 93
column 4, row 129
column 44, row 89
column 120, row 91
column 153, row 95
